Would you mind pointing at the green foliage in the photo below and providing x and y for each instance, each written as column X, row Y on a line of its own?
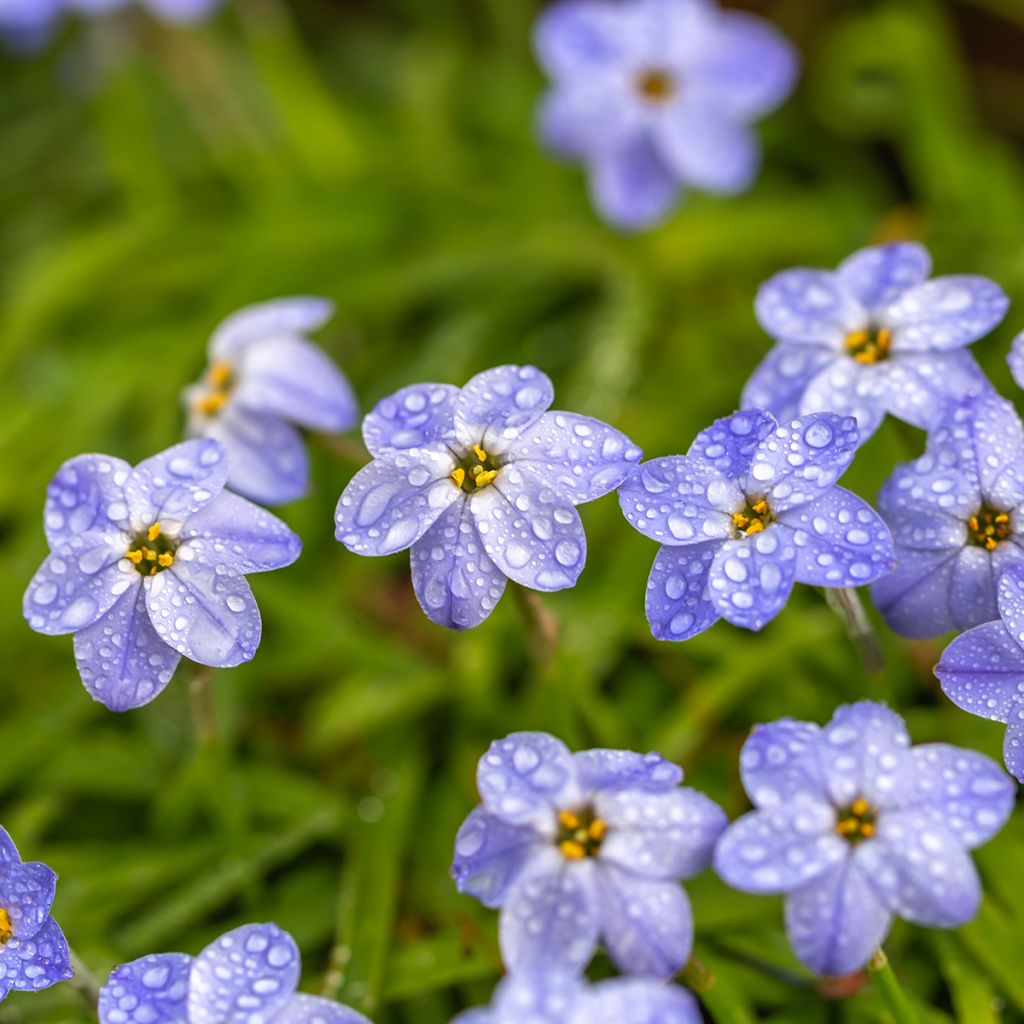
column 381, row 154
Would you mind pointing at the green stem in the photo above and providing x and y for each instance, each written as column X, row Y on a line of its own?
column 846, row 603
column 541, row 625
column 84, row 982
column 204, row 715
column 881, row 970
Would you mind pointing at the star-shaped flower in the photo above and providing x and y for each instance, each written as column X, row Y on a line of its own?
column 855, row 826
column 873, row 337
column 482, row 483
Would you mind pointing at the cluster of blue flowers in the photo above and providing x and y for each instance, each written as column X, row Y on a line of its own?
column 481, row 484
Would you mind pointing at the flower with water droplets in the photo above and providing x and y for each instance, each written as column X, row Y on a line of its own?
column 247, row 976
column 957, row 520
column 855, row 827
column 583, row 848
column 752, row 508
column 482, row 483
column 148, row 564
column 33, row 952
column 656, row 96
column 873, row 337
column 982, row 670
column 265, row 379
column 558, row 997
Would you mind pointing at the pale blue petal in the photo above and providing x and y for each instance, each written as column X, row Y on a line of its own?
column 1015, row 359
column 414, row 417
column 631, row 185
column 848, row 388
column 778, row 384
column 623, row 770
column 638, row 1001
column 982, row 671
column 879, row 275
column 176, row 483
column 810, row 307
column 521, row 778
column 677, row 602
column 707, row 151
column 914, row 598
column 280, row 316
column 151, row 990
column 497, row 405
column 729, row 444
column 579, row 38
column 587, row 116
column 751, row 579
column 1010, row 598
column 28, row 965
column 1013, row 741
column 542, row 996
column 87, row 495
column 8, row 851
column 946, row 313
column 303, row 1009
column 26, row 893
column 489, row 855
column 779, row 764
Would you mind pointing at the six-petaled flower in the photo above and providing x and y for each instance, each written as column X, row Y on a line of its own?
column 264, row 380
column 247, row 976
column 749, row 510
column 148, row 564
column 482, row 484
column 657, row 97
column 581, row 848
column 855, row 826
column 873, row 337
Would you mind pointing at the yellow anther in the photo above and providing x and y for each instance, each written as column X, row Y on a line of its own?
column 760, row 507
column 484, row 478
column 6, row 929
column 150, row 554
column 154, row 531
column 973, row 523
column 153, row 571
column 569, row 821
column 459, row 476
column 165, row 559
column 755, row 527
column 219, row 375
column 134, row 556
column 869, row 346
column 597, row 831
column 572, row 850
column 656, row 85
column 867, row 829
column 1003, row 517
column 479, row 453
column 210, row 404
column 860, row 807
column 740, row 521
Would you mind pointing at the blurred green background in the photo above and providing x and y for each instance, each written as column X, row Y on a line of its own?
column 381, row 153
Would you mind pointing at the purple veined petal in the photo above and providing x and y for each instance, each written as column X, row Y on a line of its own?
column 996, row 435
column 920, row 870
column 779, row 764
column 837, row 922
column 1013, row 741
column 982, row 670
column 914, row 599
column 550, row 917
column 946, row 313
column 865, row 754
column 77, row 585
column 802, row 460
column 303, row 1009
column 840, row 541
column 208, row 615
column 496, row 406
column 778, row 384
column 809, row 307
column 679, row 499
column 751, row 579
column 729, row 444
column 122, row 660
column 87, row 496
column 391, row 503
column 292, row 379
column 1010, row 599
column 150, row 990
column 576, row 39
column 677, row 602
column 646, row 924
column 668, row 835
column 249, row 972
column 631, row 186
column 847, row 388
column 623, row 770
column 455, row 582
column 177, row 483
column 236, row 533
column 780, row 848
column 639, row 1001
column 962, row 790
column 1015, row 359
column 280, row 316
column 267, row 457
column 26, row 893
column 8, row 851
column 972, row 584
column 548, row 996
column 880, row 274
column 183, row 12
column 524, row 777
column 489, row 855
column 706, row 150
column 580, row 457
column 28, row 965
column 532, row 533
column 414, row 417
column 586, row 117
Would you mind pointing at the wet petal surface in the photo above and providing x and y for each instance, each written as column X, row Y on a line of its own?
column 413, row 417
column 489, row 856
column 499, row 404
column 523, row 777
column 279, row 317
column 751, row 579
column 173, row 485
column 87, row 495
column 677, row 603
column 151, row 990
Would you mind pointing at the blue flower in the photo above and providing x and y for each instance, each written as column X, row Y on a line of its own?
column 556, row 997
column 982, row 671
column 1015, row 359
column 148, row 564
column 873, row 337
column 25, row 25
column 247, row 976
column 856, row 827
column 482, row 484
column 752, row 508
column 582, row 848
column 955, row 516
column 264, row 379
column 33, row 953
column 655, row 96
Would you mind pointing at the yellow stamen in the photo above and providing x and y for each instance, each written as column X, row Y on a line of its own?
column 572, row 850
column 597, row 831
column 150, row 554
column 755, row 527
column 210, row 404
column 860, row 807
column 740, row 521
column 656, row 85
column 569, row 821
column 134, row 556
column 165, row 559
column 867, row 829
column 868, row 347
column 760, row 507
column 219, row 375
column 154, row 531
column 459, row 476
column 480, row 453
column 484, row 478
column 6, row 929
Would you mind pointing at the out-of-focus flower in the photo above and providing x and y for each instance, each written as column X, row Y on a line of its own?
column 956, row 519
column 148, row 564
column 982, row 671
column 556, row 997
column 247, row 976
column 582, row 848
column 482, row 484
column 873, row 337
column 656, row 96
column 1015, row 359
column 748, row 511
column 265, row 379
column 856, row 827
column 33, row 953
column 25, row 25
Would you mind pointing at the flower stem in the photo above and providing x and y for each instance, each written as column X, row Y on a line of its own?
column 846, row 603
column 881, row 970
column 84, row 982
column 204, row 715
column 347, row 449
column 541, row 624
